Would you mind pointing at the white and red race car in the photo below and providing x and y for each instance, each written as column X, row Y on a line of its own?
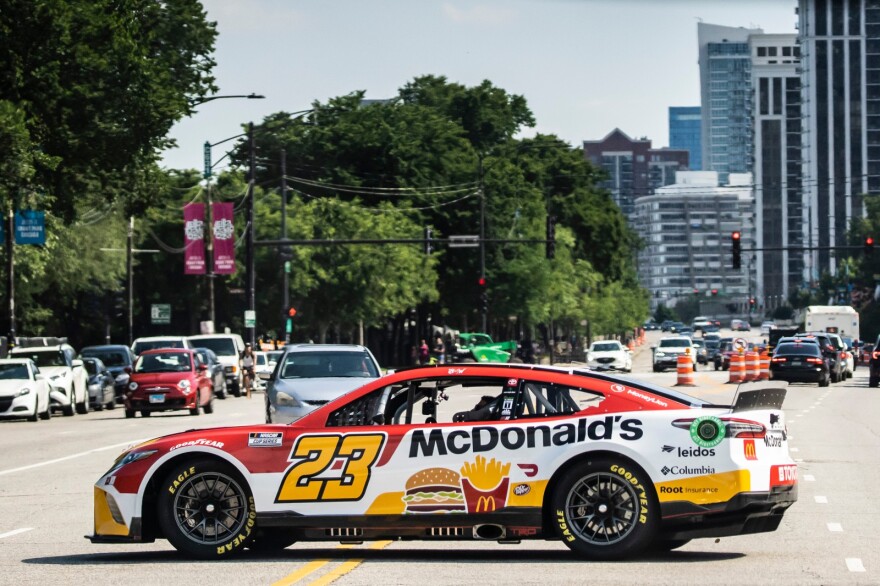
column 610, row 466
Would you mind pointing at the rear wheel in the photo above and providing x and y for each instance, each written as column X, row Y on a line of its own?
column 605, row 509
column 47, row 414
column 195, row 410
column 206, row 510
column 129, row 413
column 221, row 391
column 824, row 382
column 209, row 408
column 67, row 410
column 146, row 413
column 99, row 406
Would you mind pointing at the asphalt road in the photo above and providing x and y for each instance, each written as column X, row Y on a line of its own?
column 47, row 470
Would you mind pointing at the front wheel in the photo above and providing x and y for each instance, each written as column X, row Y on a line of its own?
column 605, row 509
column 206, row 510
column 209, row 408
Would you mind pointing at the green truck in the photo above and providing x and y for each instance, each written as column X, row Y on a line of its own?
column 481, row 348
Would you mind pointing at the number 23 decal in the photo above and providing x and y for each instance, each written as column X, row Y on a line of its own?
column 314, row 455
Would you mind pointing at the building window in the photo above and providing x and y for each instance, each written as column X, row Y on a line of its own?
column 762, row 51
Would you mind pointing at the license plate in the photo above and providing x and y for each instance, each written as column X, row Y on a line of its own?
column 157, row 398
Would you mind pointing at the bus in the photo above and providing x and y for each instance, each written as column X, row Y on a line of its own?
column 842, row 320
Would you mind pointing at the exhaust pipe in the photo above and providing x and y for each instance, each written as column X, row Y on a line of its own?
column 489, row 532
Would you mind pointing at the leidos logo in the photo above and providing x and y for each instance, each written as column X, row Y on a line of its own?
column 696, row 452
column 667, row 449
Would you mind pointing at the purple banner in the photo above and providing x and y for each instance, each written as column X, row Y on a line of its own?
column 194, row 239
column 224, row 239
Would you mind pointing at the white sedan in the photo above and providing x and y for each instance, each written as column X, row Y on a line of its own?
column 24, row 391
column 609, row 354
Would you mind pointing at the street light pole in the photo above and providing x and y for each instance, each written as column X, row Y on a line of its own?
column 249, row 260
column 10, row 270
column 285, row 251
column 483, row 306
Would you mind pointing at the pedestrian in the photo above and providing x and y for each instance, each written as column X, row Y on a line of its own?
column 423, row 352
column 439, row 350
column 247, row 368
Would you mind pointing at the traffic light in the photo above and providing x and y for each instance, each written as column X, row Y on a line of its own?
column 291, row 312
column 869, row 245
column 551, row 236
column 484, row 296
column 736, row 249
column 714, row 292
column 696, row 291
column 428, row 232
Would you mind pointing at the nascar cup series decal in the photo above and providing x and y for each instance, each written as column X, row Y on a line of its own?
column 707, row 431
column 481, row 487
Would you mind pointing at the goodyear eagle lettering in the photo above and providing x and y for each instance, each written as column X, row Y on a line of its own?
column 483, row 438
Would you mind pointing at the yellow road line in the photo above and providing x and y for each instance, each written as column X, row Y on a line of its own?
column 345, row 567
column 304, row 571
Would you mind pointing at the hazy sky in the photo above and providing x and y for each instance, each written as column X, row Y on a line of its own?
column 584, row 66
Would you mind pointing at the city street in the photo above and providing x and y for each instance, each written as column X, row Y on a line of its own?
column 828, row 537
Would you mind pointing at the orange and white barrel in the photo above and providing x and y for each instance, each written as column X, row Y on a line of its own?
column 685, row 369
column 737, row 368
column 764, row 373
column 753, row 366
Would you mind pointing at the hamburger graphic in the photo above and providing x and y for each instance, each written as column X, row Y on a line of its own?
column 434, row 490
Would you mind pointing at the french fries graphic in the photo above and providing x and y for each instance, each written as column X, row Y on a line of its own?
column 485, row 484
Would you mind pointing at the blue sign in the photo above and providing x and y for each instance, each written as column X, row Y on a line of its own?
column 30, row 227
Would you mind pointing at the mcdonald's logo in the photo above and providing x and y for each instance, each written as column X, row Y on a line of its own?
column 749, row 449
column 486, row 504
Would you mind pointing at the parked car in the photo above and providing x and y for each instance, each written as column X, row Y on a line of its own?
column 611, row 467
column 216, row 371
column 155, row 342
column 666, row 353
column 228, row 348
column 799, row 361
column 101, row 384
column 651, row 325
column 24, row 390
column 116, row 357
column 609, row 354
column 831, row 353
column 264, row 363
column 67, row 376
column 169, row 379
column 311, row 375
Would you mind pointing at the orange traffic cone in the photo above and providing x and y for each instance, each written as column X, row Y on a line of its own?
column 737, row 368
column 764, row 373
column 685, row 369
column 752, row 366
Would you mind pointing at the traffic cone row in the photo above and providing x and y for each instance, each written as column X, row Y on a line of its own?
column 685, row 368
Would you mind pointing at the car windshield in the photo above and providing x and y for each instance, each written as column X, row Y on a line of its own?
column 274, row 356
column 44, row 357
column 712, row 344
column 143, row 346
column 13, row 371
column 797, row 350
column 220, row 346
column 606, row 347
column 91, row 366
column 108, row 357
column 675, row 343
column 328, row 364
column 164, row 362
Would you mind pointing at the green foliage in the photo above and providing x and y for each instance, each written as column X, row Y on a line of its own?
column 663, row 313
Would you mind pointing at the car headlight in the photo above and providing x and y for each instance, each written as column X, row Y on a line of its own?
column 122, row 377
column 131, row 457
column 184, row 385
column 24, row 391
column 132, row 386
column 94, row 387
column 283, row 399
column 660, row 353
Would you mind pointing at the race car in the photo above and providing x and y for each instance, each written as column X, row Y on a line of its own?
column 609, row 466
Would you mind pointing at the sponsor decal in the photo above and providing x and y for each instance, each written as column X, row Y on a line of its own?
column 643, row 496
column 774, row 439
column 109, row 481
column 511, row 382
column 198, row 442
column 242, row 537
column 682, row 470
column 265, row 439
column 711, row 488
column 175, row 484
column 455, row 370
column 774, row 418
column 481, row 487
column 530, row 470
column 688, row 490
column 783, row 475
column 618, row 388
column 749, row 449
column 689, row 452
column 521, row 489
column 482, row 438
column 707, row 431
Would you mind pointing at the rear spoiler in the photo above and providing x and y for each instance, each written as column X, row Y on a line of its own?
column 768, row 396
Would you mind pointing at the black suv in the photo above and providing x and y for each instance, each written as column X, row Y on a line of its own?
column 836, row 366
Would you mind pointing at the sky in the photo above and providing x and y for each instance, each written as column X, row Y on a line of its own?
column 585, row 67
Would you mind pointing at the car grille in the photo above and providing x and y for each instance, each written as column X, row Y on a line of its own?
column 5, row 403
column 316, row 402
column 605, row 360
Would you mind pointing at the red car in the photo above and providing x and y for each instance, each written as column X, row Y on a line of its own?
column 168, row 379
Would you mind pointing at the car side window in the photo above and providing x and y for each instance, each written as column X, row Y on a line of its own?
column 551, row 400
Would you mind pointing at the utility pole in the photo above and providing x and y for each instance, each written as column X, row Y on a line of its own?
column 129, row 287
column 285, row 251
column 483, row 307
column 249, row 260
column 210, row 224
column 10, row 270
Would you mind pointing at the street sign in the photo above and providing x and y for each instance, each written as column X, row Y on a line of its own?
column 464, row 241
column 30, row 227
column 288, row 327
column 207, row 173
column 160, row 314
column 250, row 318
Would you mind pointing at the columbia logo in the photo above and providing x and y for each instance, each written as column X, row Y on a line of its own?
column 665, row 470
column 667, row 449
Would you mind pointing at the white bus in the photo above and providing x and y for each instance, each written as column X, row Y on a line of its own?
column 842, row 320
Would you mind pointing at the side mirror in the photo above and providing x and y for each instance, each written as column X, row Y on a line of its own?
column 127, row 370
column 264, row 375
column 39, row 376
column 76, row 362
column 203, row 367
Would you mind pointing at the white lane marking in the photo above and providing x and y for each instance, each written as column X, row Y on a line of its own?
column 70, row 457
column 835, row 527
column 822, row 500
column 809, row 478
column 794, row 449
column 15, row 532
column 798, row 459
column 854, row 565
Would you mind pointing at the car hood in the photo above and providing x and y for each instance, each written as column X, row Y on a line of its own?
column 607, row 354
column 12, row 386
column 159, row 378
column 320, row 389
column 674, row 350
column 49, row 371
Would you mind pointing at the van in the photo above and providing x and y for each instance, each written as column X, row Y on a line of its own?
column 228, row 348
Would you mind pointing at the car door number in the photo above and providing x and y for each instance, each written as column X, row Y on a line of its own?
column 314, row 477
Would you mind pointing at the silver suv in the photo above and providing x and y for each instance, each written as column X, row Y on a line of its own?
column 666, row 353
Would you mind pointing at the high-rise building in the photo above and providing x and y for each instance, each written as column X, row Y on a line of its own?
column 840, row 60
column 725, row 94
column 685, row 125
column 777, row 130
column 634, row 168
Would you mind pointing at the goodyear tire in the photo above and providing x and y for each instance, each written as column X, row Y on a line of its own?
column 605, row 509
column 206, row 510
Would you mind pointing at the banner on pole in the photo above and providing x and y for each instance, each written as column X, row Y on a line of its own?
column 224, row 238
column 194, row 239
column 30, row 227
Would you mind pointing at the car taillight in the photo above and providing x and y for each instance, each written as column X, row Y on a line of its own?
column 875, row 354
column 779, row 359
column 815, row 360
column 734, row 428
